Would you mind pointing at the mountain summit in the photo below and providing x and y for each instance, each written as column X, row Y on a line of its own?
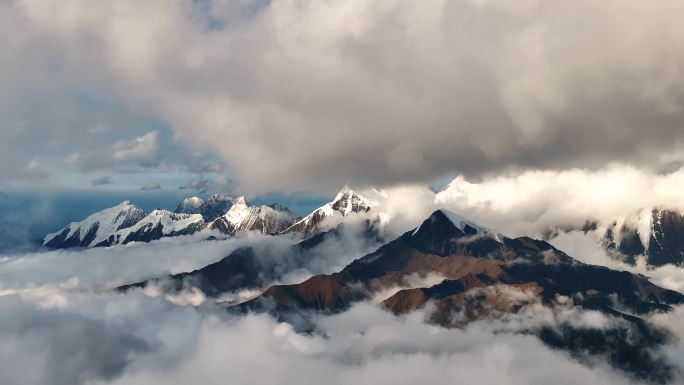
column 189, row 206
column 96, row 228
column 346, row 202
column 271, row 219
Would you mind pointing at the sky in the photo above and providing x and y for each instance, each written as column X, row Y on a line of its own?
column 522, row 115
column 292, row 96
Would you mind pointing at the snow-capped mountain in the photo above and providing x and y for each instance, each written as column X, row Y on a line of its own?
column 96, row 228
column 216, row 206
column 271, row 219
column 481, row 278
column 657, row 234
column 189, row 206
column 158, row 224
column 126, row 223
column 345, row 203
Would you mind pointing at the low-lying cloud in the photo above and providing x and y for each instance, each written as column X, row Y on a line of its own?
column 69, row 327
column 158, row 342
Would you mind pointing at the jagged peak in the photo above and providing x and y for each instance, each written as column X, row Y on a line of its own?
column 98, row 225
column 239, row 201
column 348, row 201
column 345, row 190
column 220, row 197
column 460, row 221
column 280, row 208
column 445, row 221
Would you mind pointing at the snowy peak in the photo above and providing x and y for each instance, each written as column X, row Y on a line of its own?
column 657, row 234
column 447, row 225
column 240, row 201
column 157, row 224
column 446, row 232
column 346, row 202
column 271, row 219
column 190, row 206
column 461, row 222
column 96, row 228
column 238, row 212
column 216, row 206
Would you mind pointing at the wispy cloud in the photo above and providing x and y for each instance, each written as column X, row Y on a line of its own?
column 151, row 186
column 101, row 181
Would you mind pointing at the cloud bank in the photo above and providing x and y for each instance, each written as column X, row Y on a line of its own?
column 299, row 95
column 55, row 303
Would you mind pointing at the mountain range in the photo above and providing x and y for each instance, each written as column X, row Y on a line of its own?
column 453, row 269
column 125, row 222
column 457, row 272
column 485, row 275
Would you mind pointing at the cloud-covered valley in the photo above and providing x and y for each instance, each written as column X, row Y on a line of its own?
column 63, row 324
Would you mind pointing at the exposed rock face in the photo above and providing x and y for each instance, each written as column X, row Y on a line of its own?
column 661, row 243
column 189, row 206
column 216, row 206
column 127, row 223
column 158, row 224
column 666, row 244
column 345, row 203
column 123, row 224
column 248, row 267
column 439, row 246
column 96, row 228
column 489, row 275
column 271, row 219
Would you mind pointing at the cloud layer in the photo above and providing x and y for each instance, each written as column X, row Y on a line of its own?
column 54, row 303
column 301, row 95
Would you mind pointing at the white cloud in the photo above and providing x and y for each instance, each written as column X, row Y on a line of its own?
column 385, row 93
column 72, row 158
column 532, row 202
column 61, row 299
column 151, row 186
column 145, row 148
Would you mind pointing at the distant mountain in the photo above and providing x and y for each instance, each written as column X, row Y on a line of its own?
column 127, row 223
column 660, row 238
column 255, row 267
column 271, row 219
column 456, row 250
column 189, row 206
column 485, row 275
column 216, row 206
column 157, row 224
column 96, row 228
column 345, row 203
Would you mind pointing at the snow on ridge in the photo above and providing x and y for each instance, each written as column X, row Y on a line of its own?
column 238, row 213
column 170, row 222
column 190, row 205
column 346, row 202
column 108, row 221
column 461, row 222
